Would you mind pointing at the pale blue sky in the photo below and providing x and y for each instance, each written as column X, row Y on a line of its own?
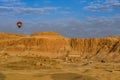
column 72, row 18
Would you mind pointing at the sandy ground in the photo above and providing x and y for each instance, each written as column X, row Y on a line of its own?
column 29, row 68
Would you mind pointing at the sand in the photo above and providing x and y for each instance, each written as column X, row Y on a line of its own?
column 41, row 68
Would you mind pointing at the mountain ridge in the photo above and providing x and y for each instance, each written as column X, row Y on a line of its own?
column 52, row 44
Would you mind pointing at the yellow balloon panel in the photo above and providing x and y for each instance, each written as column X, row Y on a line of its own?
column 19, row 24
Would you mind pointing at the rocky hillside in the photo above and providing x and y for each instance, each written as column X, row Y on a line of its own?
column 52, row 44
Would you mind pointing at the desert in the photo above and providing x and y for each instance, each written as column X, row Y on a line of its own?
column 51, row 56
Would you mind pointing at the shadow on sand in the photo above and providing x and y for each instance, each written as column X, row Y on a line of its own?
column 70, row 76
column 2, row 76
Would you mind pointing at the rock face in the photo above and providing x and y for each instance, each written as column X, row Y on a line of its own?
column 46, row 34
column 97, row 48
column 52, row 44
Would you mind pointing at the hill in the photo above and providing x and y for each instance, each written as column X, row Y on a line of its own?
column 52, row 44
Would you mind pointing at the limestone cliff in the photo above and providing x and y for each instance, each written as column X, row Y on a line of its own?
column 53, row 44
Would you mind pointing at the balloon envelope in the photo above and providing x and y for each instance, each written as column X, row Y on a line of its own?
column 19, row 24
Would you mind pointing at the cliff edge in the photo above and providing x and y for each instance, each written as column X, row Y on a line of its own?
column 52, row 44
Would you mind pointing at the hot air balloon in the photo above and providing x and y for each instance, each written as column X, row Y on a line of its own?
column 19, row 24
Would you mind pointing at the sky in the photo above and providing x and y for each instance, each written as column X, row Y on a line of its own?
column 70, row 18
